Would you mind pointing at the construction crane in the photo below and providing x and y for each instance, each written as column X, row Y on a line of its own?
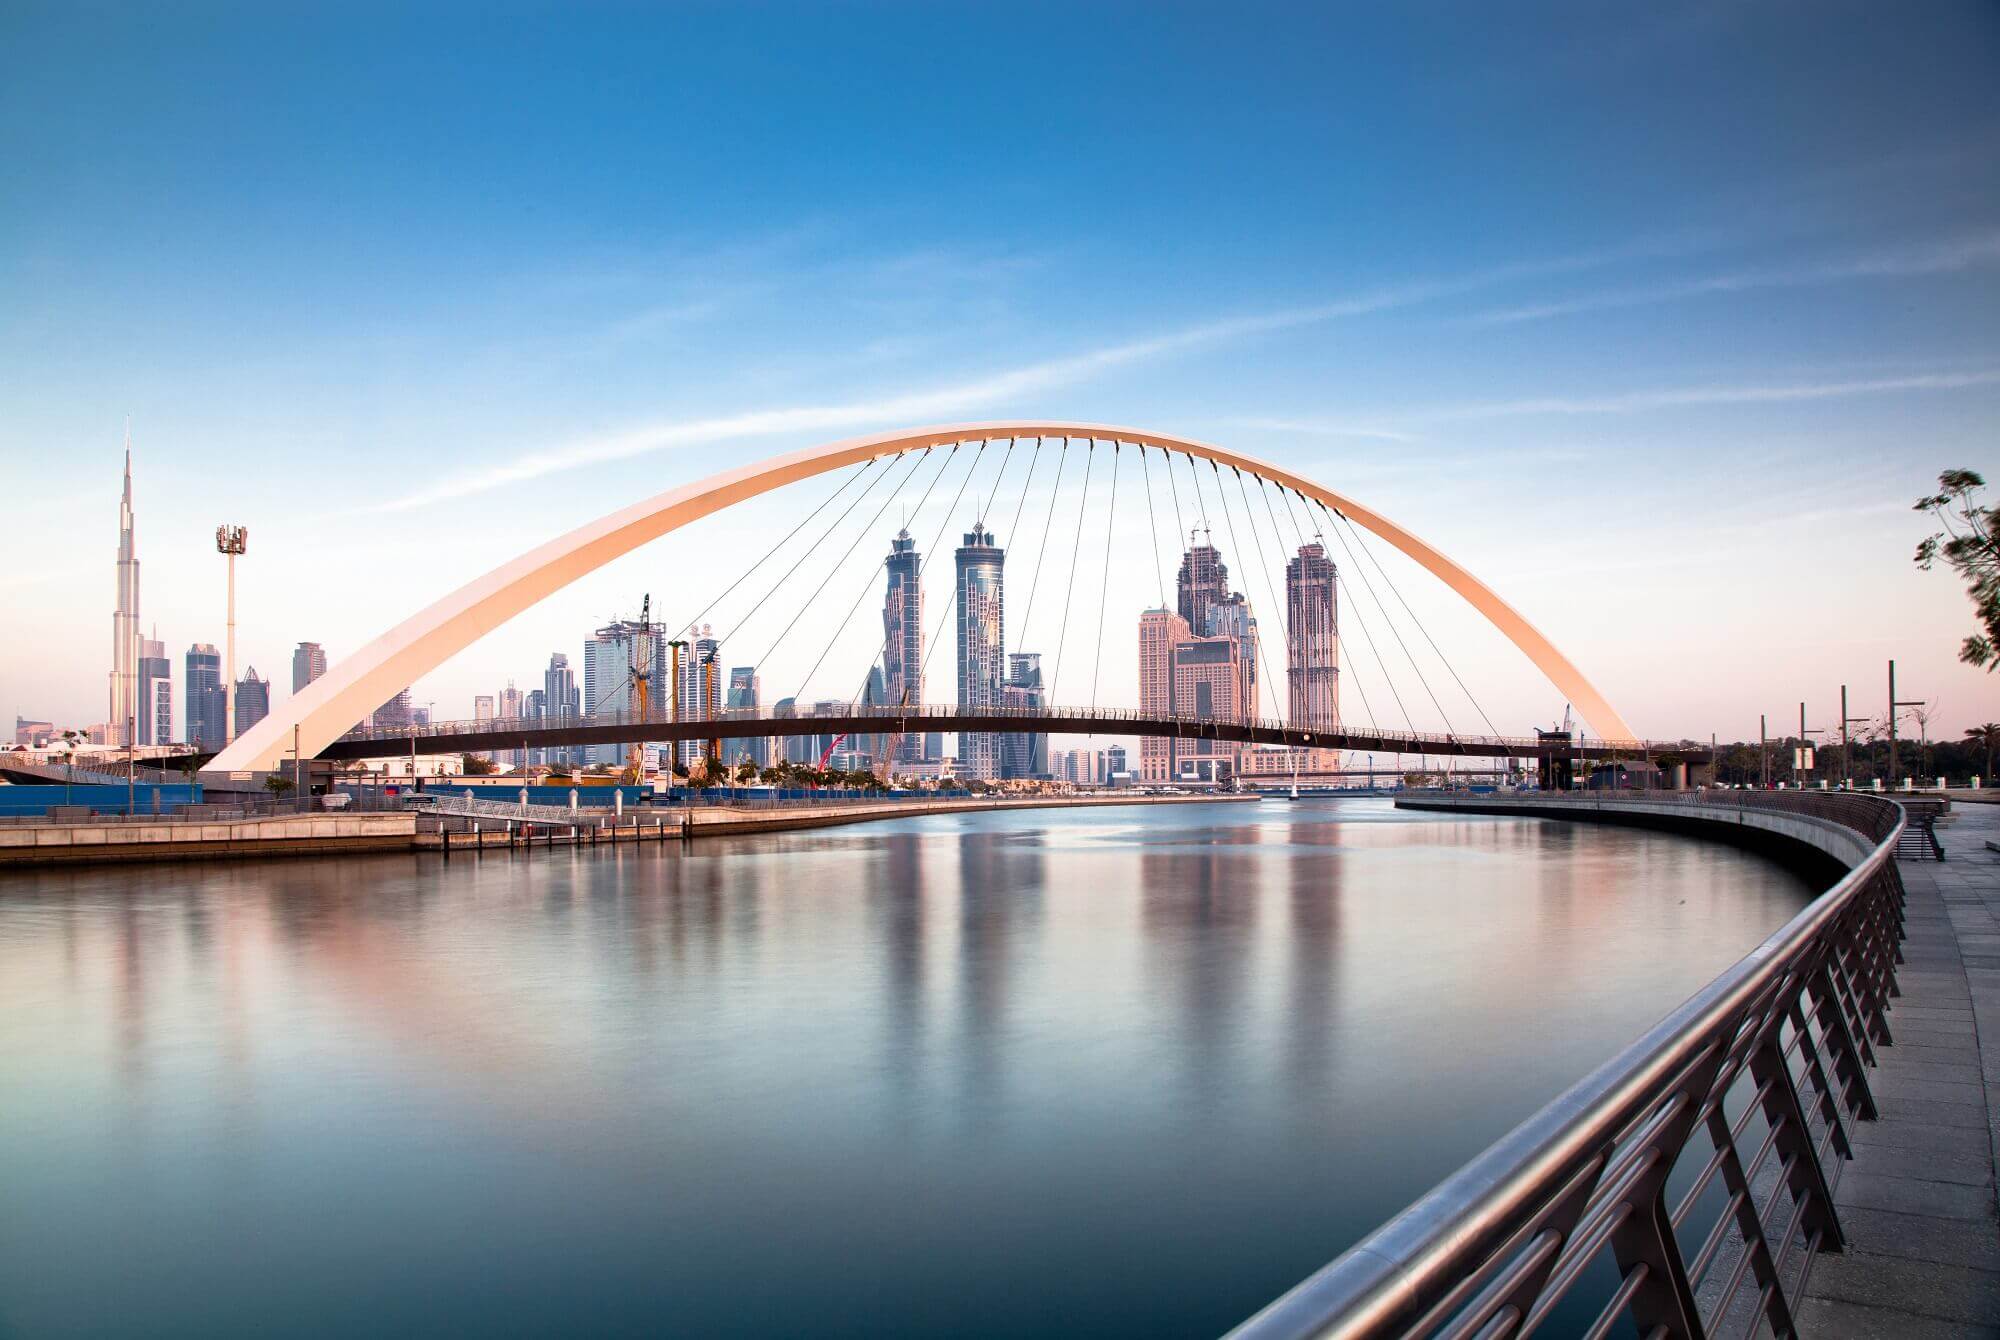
column 641, row 666
column 891, row 743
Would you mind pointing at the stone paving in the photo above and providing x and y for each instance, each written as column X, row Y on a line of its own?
column 1917, row 1203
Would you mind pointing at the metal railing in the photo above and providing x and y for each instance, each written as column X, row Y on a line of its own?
column 942, row 715
column 1702, row 1158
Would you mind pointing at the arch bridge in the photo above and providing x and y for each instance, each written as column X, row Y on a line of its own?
column 312, row 723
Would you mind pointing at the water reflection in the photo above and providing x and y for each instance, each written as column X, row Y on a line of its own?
column 1120, row 1071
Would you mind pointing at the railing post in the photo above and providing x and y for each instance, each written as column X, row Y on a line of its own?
column 1664, row 1303
column 1842, row 1002
column 1763, row 1261
column 1792, row 1135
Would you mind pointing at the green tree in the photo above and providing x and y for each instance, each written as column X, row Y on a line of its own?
column 1970, row 542
column 277, row 784
column 1985, row 736
column 475, row 766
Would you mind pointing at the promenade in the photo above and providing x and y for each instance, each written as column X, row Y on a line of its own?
column 1917, row 1203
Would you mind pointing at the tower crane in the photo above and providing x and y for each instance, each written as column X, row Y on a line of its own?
column 641, row 667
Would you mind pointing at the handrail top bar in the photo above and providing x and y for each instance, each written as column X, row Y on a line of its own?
column 1375, row 1283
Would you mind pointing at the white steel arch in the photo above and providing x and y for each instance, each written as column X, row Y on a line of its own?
column 357, row 684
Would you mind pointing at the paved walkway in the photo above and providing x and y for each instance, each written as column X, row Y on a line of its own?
column 1917, row 1203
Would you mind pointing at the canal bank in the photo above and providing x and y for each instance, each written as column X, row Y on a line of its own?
column 330, row 834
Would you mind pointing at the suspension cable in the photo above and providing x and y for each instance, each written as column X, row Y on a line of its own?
column 1270, row 577
column 1299, row 531
column 1180, row 529
column 924, row 561
column 1362, row 541
column 950, row 604
column 834, row 525
column 1200, row 500
column 1076, row 551
column 1229, row 520
column 1104, row 589
column 1366, row 637
column 1153, row 524
column 1264, row 487
column 841, row 627
column 1035, row 583
column 1396, row 632
column 772, row 551
column 891, row 497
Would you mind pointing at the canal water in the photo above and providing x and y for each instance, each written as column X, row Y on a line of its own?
column 1124, row 1071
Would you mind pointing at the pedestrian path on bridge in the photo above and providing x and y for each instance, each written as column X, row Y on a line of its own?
column 1917, row 1203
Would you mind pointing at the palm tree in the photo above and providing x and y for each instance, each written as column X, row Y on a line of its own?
column 1986, row 736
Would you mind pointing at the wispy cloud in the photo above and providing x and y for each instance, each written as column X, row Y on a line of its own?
column 1325, row 428
column 1676, row 397
column 948, row 400
column 957, row 399
column 1938, row 257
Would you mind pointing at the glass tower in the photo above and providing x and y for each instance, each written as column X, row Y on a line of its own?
column 981, row 646
column 903, row 636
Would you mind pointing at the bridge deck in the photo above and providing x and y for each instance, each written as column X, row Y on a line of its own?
column 1917, row 1203
column 463, row 736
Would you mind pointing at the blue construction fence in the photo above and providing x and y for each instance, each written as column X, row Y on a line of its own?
column 36, row 801
column 601, row 797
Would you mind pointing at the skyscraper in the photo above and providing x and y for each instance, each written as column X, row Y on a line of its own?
column 156, row 692
column 1207, row 679
column 1184, row 672
column 701, row 688
column 1024, row 753
column 206, row 700
column 612, row 659
column 903, row 636
column 125, row 621
column 1211, row 609
column 1160, row 631
column 563, row 705
column 981, row 645
column 512, row 707
column 308, row 664
column 253, row 700
column 745, row 695
column 1312, row 652
column 535, row 712
column 1204, row 583
column 1230, row 617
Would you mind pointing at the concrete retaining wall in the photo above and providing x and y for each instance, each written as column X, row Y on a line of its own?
column 334, row 833
column 283, row 835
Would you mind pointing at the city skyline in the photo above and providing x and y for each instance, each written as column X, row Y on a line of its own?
column 1768, row 336
column 1204, row 590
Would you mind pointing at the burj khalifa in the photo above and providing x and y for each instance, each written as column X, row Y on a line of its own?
column 125, row 621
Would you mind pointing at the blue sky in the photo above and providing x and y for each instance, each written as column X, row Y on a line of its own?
column 1657, row 321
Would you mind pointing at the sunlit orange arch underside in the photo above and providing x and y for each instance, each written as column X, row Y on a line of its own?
column 358, row 684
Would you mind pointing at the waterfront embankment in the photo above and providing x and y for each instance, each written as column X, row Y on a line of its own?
column 323, row 834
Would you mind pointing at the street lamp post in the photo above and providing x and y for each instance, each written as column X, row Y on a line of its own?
column 1805, row 749
column 230, row 541
column 1846, row 747
column 1893, row 705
